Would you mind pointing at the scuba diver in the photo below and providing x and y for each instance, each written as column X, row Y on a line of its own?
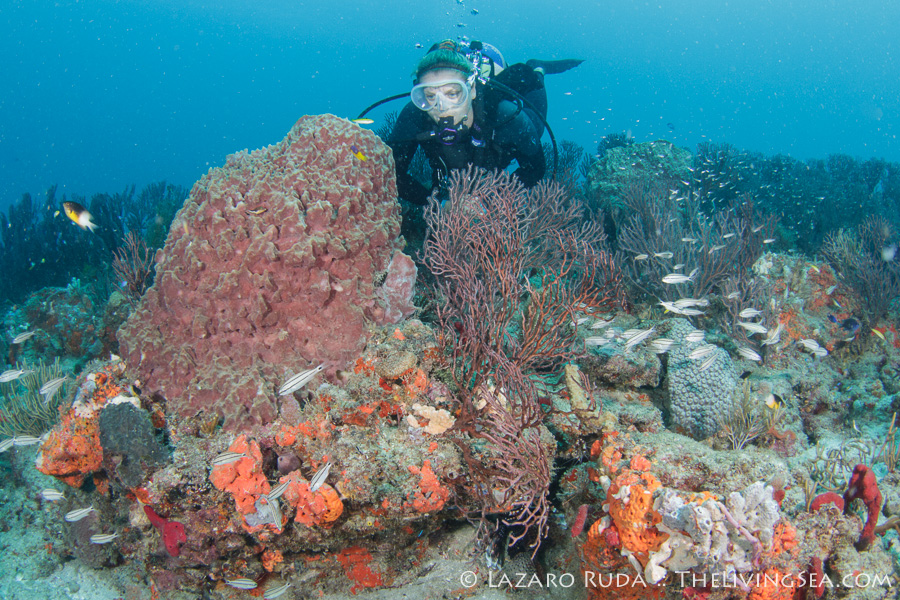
column 468, row 107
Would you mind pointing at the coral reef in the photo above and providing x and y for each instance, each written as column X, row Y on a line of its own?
column 271, row 267
column 537, row 424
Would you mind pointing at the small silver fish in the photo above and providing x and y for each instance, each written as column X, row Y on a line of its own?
column 695, row 336
column 757, row 228
column 692, row 312
column 670, row 307
column 665, row 255
column 7, row 444
column 748, row 313
column 820, row 352
column 241, row 584
column 773, row 337
column 297, row 381
column 276, row 592
column 809, row 344
column 79, row 514
column 51, row 495
column 103, row 538
column 51, row 387
column 275, row 513
column 638, row 337
column 702, row 351
column 768, row 240
column 662, row 345
column 728, row 235
column 12, row 375
column 596, row 340
column 733, row 295
column 678, row 267
column 278, row 490
column 676, row 278
column 600, row 324
column 830, row 290
column 23, row 337
column 753, row 327
column 319, row 478
column 226, row 458
column 690, row 240
column 642, row 257
column 689, row 302
column 716, row 247
column 749, row 354
column 708, row 362
column 26, row 440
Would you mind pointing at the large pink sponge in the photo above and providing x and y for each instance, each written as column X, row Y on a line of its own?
column 273, row 266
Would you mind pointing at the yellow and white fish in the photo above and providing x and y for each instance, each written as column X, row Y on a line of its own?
column 79, row 215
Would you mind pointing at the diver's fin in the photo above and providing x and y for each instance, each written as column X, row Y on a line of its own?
column 552, row 67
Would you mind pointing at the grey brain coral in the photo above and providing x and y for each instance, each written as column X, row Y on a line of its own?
column 269, row 269
column 698, row 399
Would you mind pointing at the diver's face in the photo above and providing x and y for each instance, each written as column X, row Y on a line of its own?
column 446, row 96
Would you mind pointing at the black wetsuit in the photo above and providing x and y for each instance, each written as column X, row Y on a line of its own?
column 500, row 133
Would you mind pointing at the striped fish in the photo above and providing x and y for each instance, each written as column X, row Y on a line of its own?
column 275, row 514
column 103, row 538
column 23, row 337
column 51, row 495
column 749, row 354
column 276, row 592
column 708, row 362
column 753, row 327
column 639, row 337
column 242, row 584
column 670, row 307
column 77, row 515
column 7, row 444
column 749, row 313
column 662, row 345
column 695, row 336
column 226, row 458
column 319, row 478
column 809, row 344
column 12, row 375
column 26, row 440
column 689, row 302
column 51, row 387
column 278, row 490
column 297, row 381
column 702, row 351
column 773, row 337
column 600, row 324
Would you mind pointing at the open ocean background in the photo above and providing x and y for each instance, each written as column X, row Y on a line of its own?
column 96, row 95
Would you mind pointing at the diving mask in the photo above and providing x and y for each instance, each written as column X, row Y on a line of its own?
column 440, row 95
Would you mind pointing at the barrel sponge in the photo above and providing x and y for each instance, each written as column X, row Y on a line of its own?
column 273, row 265
column 698, row 400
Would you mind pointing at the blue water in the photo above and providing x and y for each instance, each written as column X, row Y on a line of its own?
column 96, row 95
